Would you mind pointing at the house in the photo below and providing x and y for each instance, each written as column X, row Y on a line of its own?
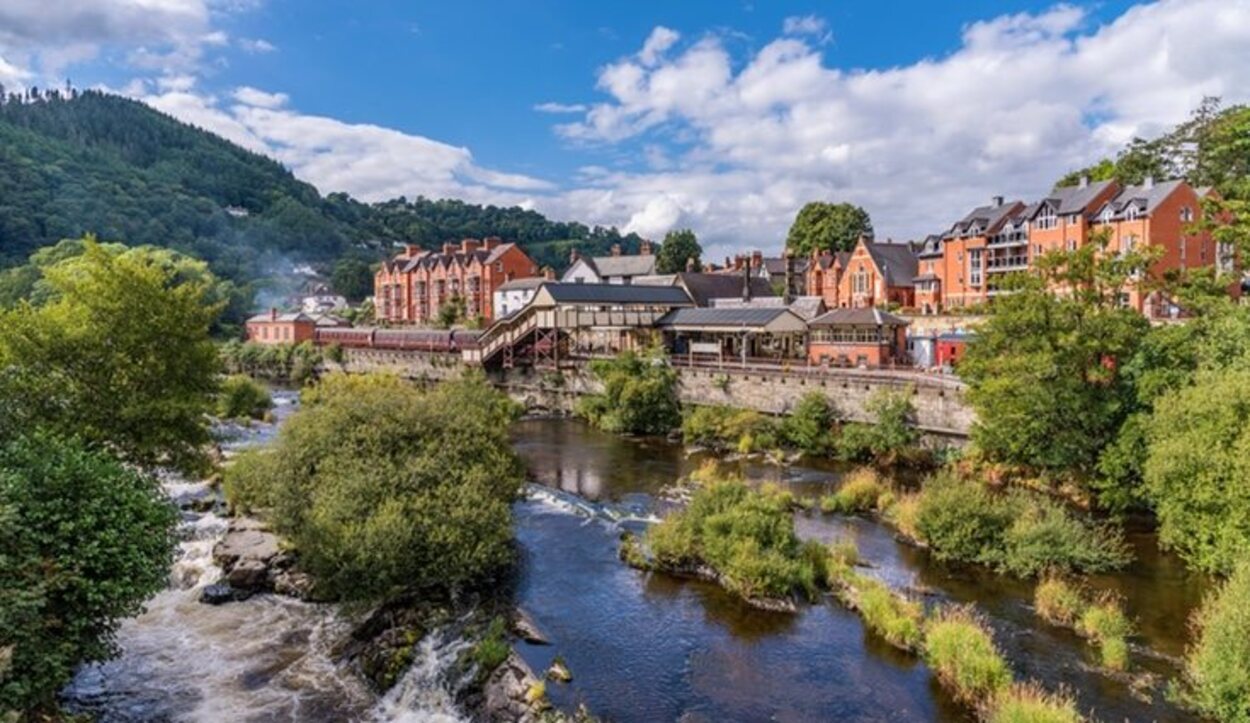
column 272, row 327
column 741, row 334
column 962, row 271
column 413, row 287
column 858, row 336
column 322, row 303
column 878, row 274
column 613, row 269
column 511, row 296
column 824, row 274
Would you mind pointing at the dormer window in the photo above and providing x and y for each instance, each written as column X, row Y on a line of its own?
column 1047, row 219
column 1107, row 213
column 1131, row 213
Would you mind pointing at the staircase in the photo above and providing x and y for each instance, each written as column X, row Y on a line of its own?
column 501, row 335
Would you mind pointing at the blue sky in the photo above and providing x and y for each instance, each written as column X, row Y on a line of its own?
column 721, row 116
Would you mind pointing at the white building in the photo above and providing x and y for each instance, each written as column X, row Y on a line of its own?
column 614, row 269
column 322, row 303
column 511, row 296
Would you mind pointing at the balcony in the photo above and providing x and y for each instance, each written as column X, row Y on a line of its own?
column 1009, row 239
column 1003, row 264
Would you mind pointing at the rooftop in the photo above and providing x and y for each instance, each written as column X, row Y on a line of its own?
column 574, row 293
column 865, row 316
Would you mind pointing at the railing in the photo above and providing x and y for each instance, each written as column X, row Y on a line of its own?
column 1007, row 263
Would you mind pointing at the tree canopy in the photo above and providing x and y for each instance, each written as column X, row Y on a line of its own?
column 821, row 226
column 679, row 248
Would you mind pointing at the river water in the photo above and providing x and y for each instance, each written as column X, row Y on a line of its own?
column 642, row 647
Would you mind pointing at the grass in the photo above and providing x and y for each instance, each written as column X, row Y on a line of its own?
column 1029, row 703
column 959, row 648
column 1105, row 623
column 903, row 513
column 859, row 493
column 493, row 648
column 892, row 616
column 1059, row 601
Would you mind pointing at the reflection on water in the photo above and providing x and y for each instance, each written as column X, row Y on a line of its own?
column 648, row 647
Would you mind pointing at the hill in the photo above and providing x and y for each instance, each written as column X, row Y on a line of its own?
column 91, row 162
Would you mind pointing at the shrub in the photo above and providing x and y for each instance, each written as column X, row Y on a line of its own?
column 1058, row 601
column 890, row 440
column 962, row 520
column 383, row 487
column 844, row 552
column 747, row 536
column 1046, row 536
column 242, row 398
column 493, row 648
column 639, row 395
column 889, row 614
column 84, row 541
column 1217, row 667
column 1106, row 625
column 1029, row 703
column 904, row 514
column 726, row 428
column 960, row 650
column 859, row 493
column 810, row 426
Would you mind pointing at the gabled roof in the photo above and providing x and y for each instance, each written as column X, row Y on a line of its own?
column 896, row 262
column 614, row 294
column 987, row 218
column 864, row 316
column 631, row 265
column 930, row 247
column 704, row 286
column 1145, row 198
column 532, row 282
column 752, row 318
column 288, row 317
column 806, row 307
column 1067, row 200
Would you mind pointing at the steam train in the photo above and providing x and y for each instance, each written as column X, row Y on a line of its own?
column 433, row 340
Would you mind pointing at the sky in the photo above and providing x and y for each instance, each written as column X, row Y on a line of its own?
column 721, row 116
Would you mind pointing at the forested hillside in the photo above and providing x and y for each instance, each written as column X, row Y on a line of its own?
column 79, row 163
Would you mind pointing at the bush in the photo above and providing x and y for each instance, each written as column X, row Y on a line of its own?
column 639, row 395
column 242, row 398
column 1217, row 667
column 84, row 541
column 746, row 536
column 1106, row 625
column 383, row 487
column 960, row 650
column 1045, row 536
column 493, row 648
column 1029, row 703
column 892, row 439
column 810, row 426
column 1058, row 601
column 725, row 428
column 859, row 493
column 962, row 520
column 904, row 514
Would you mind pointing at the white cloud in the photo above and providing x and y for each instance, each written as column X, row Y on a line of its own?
column 659, row 41
column 812, row 25
column 552, row 107
column 259, row 98
column 1006, row 113
column 256, row 46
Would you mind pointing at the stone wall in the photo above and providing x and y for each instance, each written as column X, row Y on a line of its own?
column 939, row 402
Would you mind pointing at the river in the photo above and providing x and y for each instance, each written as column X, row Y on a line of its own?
column 642, row 647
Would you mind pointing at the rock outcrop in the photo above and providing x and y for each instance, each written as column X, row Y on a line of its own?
column 252, row 561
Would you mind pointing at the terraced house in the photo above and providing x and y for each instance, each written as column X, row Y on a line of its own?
column 413, row 287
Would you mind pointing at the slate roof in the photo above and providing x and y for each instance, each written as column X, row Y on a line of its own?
column 897, row 262
column 776, row 265
column 574, row 293
column 704, row 287
column 290, row 316
column 1068, row 200
column 806, row 307
column 930, row 247
column 865, row 316
column 726, row 317
column 987, row 218
column 532, row 282
column 1145, row 198
column 628, row 265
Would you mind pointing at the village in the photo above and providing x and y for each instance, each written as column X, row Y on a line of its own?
column 882, row 305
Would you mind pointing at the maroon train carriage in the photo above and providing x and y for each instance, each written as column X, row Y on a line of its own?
column 432, row 340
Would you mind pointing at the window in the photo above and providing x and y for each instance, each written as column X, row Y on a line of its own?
column 1074, row 219
column 1107, row 214
column 859, row 281
column 1187, row 214
column 1047, row 219
column 1072, row 244
column 974, row 267
column 1130, row 213
column 1128, row 243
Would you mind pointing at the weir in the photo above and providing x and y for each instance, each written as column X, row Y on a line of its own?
column 939, row 401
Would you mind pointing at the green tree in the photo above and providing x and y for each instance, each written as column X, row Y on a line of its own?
column 452, row 313
column 1197, row 464
column 639, row 395
column 1217, row 668
column 119, row 356
column 84, row 540
column 353, row 278
column 678, row 248
column 384, row 488
column 821, row 226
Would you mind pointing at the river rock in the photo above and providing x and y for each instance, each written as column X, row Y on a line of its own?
column 526, row 629
column 216, row 594
column 507, row 693
column 291, row 583
column 559, row 672
column 246, row 539
column 248, row 574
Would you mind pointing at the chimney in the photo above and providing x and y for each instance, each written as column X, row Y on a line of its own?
column 469, row 245
column 1084, row 182
column 573, row 256
column 690, row 264
column 549, row 273
column 1148, row 182
column 616, row 249
column 411, row 250
column 491, row 242
column 746, row 280
column 757, row 259
column 644, row 248
column 997, row 201
column 273, row 313
column 738, row 262
column 728, row 262
column 449, row 249
column 788, row 296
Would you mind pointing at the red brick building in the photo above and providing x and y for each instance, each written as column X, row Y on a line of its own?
column 274, row 328
column 860, row 337
column 415, row 285
column 871, row 274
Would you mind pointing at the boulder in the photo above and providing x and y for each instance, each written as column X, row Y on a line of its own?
column 526, row 629
column 559, row 672
column 507, row 693
column 249, row 574
column 245, row 539
column 216, row 594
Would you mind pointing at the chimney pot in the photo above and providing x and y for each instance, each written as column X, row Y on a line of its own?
column 1148, row 182
column 273, row 313
column 616, row 249
column 1084, row 181
column 644, row 248
column 690, row 263
column 411, row 250
column 574, row 255
column 549, row 273
column 998, row 201
column 449, row 249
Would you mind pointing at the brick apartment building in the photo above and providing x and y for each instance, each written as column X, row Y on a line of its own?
column 412, row 287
